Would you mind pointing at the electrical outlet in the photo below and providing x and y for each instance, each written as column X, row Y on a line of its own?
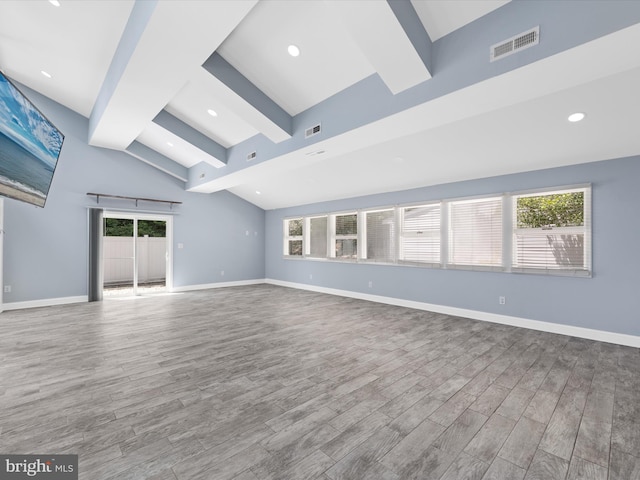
column 7, row 289
column 180, row 246
column 222, row 273
column 311, row 276
column 370, row 283
column 502, row 300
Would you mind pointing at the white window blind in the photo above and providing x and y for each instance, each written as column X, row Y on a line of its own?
column 317, row 235
column 346, row 236
column 420, row 234
column 546, row 231
column 552, row 231
column 475, row 232
column 379, row 236
column 293, row 237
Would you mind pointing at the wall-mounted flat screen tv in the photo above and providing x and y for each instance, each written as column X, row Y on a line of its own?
column 29, row 147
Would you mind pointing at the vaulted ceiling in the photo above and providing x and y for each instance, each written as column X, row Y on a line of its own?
column 404, row 91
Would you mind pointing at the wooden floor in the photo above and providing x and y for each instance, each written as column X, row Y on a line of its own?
column 264, row 382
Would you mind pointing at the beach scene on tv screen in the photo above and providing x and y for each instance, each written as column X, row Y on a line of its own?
column 29, row 147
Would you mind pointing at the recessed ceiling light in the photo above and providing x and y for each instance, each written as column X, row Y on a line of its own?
column 258, row 192
column 170, row 144
column 213, row 113
column 576, row 117
column 46, row 74
column 293, row 50
column 55, row 3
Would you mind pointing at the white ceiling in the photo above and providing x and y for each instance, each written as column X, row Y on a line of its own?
column 421, row 146
column 329, row 62
column 75, row 44
column 227, row 128
column 441, row 17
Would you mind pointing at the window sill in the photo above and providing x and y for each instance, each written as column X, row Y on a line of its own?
column 553, row 272
column 464, row 268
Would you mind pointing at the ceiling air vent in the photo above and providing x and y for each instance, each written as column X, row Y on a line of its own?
column 310, row 132
column 251, row 156
column 515, row 44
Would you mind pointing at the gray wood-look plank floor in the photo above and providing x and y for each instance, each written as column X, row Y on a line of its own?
column 264, row 382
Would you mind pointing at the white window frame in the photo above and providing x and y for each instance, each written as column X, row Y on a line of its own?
column 402, row 234
column 363, row 235
column 308, row 236
column 450, row 264
column 288, row 238
column 584, row 229
column 334, row 237
column 508, row 234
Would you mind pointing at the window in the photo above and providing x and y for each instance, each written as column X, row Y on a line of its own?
column 551, row 231
column 379, row 236
column 293, row 237
column 346, row 236
column 546, row 231
column 420, row 234
column 317, row 237
column 475, row 232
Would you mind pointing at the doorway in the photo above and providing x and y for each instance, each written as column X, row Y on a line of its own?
column 136, row 254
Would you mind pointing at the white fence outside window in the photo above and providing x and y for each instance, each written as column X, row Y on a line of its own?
column 118, row 259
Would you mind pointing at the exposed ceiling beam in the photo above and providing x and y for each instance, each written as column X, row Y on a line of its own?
column 391, row 37
column 248, row 100
column 414, row 29
column 154, row 60
column 157, row 160
column 513, row 88
column 192, row 136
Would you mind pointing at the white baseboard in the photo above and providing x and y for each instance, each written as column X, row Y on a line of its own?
column 46, row 302
column 206, row 286
column 581, row 332
column 573, row 331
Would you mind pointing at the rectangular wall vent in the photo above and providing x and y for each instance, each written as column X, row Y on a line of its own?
column 310, row 132
column 251, row 156
column 515, row 44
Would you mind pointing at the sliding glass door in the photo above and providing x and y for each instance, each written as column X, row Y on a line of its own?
column 151, row 253
column 136, row 254
column 118, row 250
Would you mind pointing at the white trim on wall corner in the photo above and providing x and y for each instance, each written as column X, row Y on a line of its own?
column 573, row 331
column 206, row 286
column 46, row 302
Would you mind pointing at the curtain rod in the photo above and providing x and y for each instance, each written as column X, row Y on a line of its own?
column 104, row 195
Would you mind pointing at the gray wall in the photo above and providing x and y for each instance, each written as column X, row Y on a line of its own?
column 46, row 250
column 609, row 301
